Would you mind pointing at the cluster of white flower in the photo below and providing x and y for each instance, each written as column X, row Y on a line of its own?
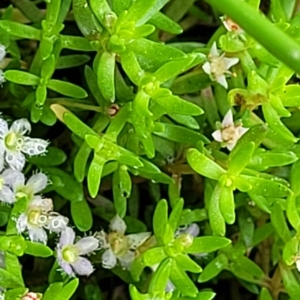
column 14, row 145
column 116, row 245
column 39, row 215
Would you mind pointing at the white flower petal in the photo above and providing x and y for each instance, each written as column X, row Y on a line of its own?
column 221, row 79
column 2, row 79
column 64, row 265
column 214, row 50
column 137, row 239
column 15, row 160
column 2, row 52
column 298, row 265
column 217, row 135
column 229, row 62
column 207, row 68
column 57, row 223
column 34, row 146
column 193, row 230
column 109, row 259
column 117, row 224
column 67, row 237
column 228, row 119
column 37, row 182
column 230, row 146
column 127, row 259
column 242, row 130
column 1, row 160
column 170, row 287
column 13, row 178
column 7, row 195
column 20, row 126
column 83, row 267
column 102, row 237
column 45, row 204
column 87, row 245
column 37, row 234
column 21, row 223
column 3, row 128
column 225, row 23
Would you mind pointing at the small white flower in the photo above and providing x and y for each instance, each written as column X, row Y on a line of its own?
column 35, row 218
column 118, row 246
column 35, row 184
column 218, row 66
column 13, row 144
column 68, row 253
column 229, row 134
column 230, row 25
column 38, row 217
column 193, row 229
column 2, row 52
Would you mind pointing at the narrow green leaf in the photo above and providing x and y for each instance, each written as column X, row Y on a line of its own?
column 163, row 22
column 160, row 220
column 66, row 88
column 214, row 268
column 21, row 30
column 227, row 204
column 266, row 187
column 203, row 165
column 94, row 174
column 160, row 277
column 84, row 18
column 240, row 158
column 279, row 222
column 21, row 77
column 179, row 134
column 182, row 282
column 82, row 215
column 140, row 11
column 216, row 219
column 37, row 249
column 68, row 290
column 106, row 76
column 207, row 244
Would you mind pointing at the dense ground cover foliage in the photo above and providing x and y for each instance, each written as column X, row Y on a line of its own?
column 149, row 149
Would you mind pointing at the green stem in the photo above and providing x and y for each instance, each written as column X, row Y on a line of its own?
column 267, row 34
column 68, row 103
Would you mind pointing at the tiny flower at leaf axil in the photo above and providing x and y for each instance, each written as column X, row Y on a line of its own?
column 230, row 25
column 69, row 253
column 14, row 143
column 118, row 246
column 218, row 66
column 32, row 296
column 229, row 133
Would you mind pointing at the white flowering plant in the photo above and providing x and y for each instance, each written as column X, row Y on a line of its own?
column 149, row 150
